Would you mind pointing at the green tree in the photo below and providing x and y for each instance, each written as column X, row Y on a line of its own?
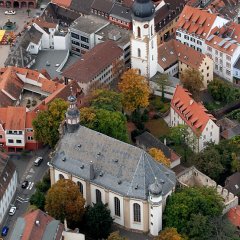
column 115, row 236
column 179, row 134
column 189, row 203
column 162, row 81
column 107, row 122
column 106, row 99
column 209, row 162
column 135, row 90
column 192, row 80
column 64, row 201
column 47, row 123
column 169, row 234
column 99, row 220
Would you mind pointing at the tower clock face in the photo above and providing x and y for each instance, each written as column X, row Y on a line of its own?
column 145, row 26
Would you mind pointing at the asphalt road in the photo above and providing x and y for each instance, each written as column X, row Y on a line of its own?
column 31, row 173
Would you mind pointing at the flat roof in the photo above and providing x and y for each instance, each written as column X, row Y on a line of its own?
column 53, row 57
column 89, row 24
column 122, row 41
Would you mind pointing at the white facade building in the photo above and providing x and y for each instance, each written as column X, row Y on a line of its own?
column 8, row 185
column 144, row 54
column 110, row 171
column 201, row 125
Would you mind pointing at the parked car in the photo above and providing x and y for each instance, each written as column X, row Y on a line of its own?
column 12, row 210
column 25, row 184
column 5, row 231
column 10, row 12
column 38, row 161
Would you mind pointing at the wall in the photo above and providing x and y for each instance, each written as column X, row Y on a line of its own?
column 193, row 177
column 15, row 137
column 62, row 42
column 45, row 37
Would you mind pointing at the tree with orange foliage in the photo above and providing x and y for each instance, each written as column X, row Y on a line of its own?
column 159, row 156
column 135, row 90
column 64, row 201
column 169, row 234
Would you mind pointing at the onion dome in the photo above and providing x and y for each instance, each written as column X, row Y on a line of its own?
column 155, row 188
column 143, row 10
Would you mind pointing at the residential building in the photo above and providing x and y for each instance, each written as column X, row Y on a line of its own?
column 144, row 56
column 228, row 128
column 222, row 46
column 37, row 225
column 147, row 141
column 166, row 17
column 234, row 216
column 191, row 177
column 100, row 66
column 19, row 4
column 194, row 26
column 16, row 133
column 232, row 183
column 236, row 71
column 201, row 125
column 102, row 7
column 110, row 171
column 175, row 57
column 15, row 80
column 8, row 184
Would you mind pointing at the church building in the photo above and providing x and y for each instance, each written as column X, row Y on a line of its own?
column 127, row 178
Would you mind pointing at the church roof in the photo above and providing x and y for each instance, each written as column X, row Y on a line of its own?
column 143, row 10
column 118, row 166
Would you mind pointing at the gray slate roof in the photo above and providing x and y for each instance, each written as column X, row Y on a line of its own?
column 121, row 12
column 125, row 169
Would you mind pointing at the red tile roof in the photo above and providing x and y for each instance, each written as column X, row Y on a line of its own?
column 35, row 231
column 193, row 113
column 93, row 62
column 173, row 51
column 195, row 20
column 234, row 216
column 16, row 117
column 30, row 116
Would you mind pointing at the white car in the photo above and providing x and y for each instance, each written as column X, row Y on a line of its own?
column 12, row 210
column 10, row 12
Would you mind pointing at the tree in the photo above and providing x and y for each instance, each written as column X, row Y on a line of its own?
column 179, row 134
column 115, row 236
column 64, row 201
column 188, row 204
column 159, row 156
column 192, row 80
column 106, row 99
column 107, row 122
column 162, row 81
column 209, row 162
column 135, row 90
column 47, row 122
column 169, row 234
column 99, row 220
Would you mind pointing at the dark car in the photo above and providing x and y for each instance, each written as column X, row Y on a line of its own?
column 25, row 184
column 5, row 231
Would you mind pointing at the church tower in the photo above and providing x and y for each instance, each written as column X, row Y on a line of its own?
column 72, row 114
column 155, row 208
column 144, row 51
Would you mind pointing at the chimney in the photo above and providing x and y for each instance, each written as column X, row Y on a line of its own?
column 92, row 174
column 165, row 141
column 37, row 223
column 191, row 101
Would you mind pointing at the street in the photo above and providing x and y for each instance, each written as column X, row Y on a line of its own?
column 26, row 171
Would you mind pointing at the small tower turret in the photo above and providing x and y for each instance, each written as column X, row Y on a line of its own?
column 72, row 114
column 155, row 208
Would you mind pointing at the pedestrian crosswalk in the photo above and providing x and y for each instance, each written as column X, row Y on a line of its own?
column 30, row 185
column 22, row 200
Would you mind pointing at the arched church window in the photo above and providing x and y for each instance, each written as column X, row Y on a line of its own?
column 98, row 196
column 117, row 206
column 136, row 212
column 80, row 185
column 139, row 32
column 139, row 52
column 60, row 176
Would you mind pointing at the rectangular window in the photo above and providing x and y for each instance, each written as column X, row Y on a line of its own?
column 228, row 72
column 84, row 46
column 228, row 58
column 1, row 136
column 228, row 65
column 209, row 48
column 10, row 140
column 84, row 39
column 19, row 141
column 74, row 35
column 76, row 43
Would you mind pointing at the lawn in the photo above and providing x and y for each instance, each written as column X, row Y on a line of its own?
column 157, row 127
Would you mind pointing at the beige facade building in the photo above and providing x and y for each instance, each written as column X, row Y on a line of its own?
column 134, row 185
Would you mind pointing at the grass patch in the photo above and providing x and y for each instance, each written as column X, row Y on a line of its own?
column 157, row 104
column 214, row 105
column 158, row 127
